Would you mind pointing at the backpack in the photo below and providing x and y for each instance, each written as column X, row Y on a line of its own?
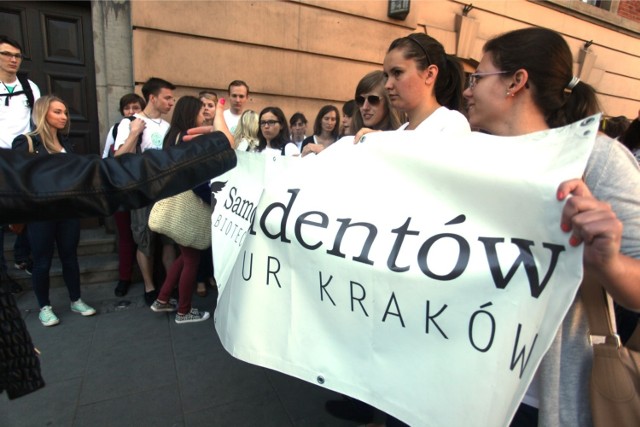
column 26, row 91
column 114, row 133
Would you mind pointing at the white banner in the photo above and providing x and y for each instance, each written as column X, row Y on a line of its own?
column 426, row 277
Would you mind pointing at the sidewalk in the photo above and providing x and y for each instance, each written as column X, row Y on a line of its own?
column 128, row 366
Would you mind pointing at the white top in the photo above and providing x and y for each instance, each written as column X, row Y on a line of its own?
column 15, row 118
column 443, row 120
column 245, row 145
column 152, row 136
column 289, row 150
column 231, row 120
column 108, row 143
column 299, row 143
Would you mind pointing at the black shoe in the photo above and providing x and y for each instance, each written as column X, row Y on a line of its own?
column 122, row 288
column 25, row 266
column 150, row 297
column 350, row 410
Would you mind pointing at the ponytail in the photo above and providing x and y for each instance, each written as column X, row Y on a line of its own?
column 581, row 102
column 547, row 58
column 425, row 51
column 450, row 84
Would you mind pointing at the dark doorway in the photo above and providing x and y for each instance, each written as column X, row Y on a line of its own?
column 57, row 38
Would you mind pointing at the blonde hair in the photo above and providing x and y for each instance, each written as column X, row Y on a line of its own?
column 211, row 96
column 42, row 128
column 247, row 129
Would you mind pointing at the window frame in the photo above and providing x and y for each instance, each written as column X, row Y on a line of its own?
column 608, row 18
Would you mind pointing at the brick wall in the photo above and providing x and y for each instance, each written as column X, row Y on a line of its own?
column 629, row 9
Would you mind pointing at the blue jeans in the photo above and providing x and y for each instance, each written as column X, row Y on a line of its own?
column 66, row 236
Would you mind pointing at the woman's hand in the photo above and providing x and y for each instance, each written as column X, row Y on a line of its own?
column 218, row 125
column 361, row 133
column 591, row 222
column 312, row 148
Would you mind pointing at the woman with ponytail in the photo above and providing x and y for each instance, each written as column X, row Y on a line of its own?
column 426, row 84
column 524, row 83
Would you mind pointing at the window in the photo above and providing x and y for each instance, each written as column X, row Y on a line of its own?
column 602, row 12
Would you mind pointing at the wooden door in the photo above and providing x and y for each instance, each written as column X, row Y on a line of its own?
column 57, row 39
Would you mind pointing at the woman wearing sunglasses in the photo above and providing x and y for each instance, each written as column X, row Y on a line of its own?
column 374, row 107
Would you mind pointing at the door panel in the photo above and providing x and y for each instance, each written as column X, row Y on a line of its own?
column 58, row 45
column 63, row 36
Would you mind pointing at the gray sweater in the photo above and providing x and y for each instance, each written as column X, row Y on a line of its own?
column 612, row 175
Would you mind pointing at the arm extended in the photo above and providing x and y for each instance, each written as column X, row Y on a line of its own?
column 68, row 185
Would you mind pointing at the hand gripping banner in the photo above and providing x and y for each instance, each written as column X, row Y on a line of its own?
column 424, row 276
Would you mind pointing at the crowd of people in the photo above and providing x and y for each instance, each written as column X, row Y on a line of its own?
column 524, row 83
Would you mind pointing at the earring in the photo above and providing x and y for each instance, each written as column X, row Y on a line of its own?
column 508, row 93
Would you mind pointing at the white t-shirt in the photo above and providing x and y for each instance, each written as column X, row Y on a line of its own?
column 231, row 120
column 289, row 150
column 152, row 136
column 15, row 118
column 443, row 120
column 108, row 143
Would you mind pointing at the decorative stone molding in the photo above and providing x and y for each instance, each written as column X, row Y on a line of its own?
column 586, row 59
column 467, row 30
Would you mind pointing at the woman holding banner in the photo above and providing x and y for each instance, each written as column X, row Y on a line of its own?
column 426, row 84
column 524, row 83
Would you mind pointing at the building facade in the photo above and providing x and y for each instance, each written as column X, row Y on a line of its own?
column 302, row 54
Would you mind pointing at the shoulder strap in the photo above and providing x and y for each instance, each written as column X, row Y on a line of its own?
column 30, row 142
column 597, row 309
column 114, row 132
column 26, row 88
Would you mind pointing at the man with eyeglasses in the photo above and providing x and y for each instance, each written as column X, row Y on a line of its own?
column 17, row 96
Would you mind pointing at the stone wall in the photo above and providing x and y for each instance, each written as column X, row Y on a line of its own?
column 300, row 55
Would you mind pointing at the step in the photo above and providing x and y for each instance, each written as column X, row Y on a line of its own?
column 98, row 268
column 97, row 258
column 92, row 241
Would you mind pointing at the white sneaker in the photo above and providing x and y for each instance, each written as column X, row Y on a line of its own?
column 47, row 316
column 82, row 308
column 194, row 315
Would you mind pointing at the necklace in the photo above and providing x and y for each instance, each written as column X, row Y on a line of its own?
column 158, row 122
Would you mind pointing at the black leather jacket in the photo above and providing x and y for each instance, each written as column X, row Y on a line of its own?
column 41, row 186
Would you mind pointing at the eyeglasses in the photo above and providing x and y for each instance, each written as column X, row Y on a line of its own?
column 474, row 77
column 373, row 100
column 269, row 123
column 18, row 56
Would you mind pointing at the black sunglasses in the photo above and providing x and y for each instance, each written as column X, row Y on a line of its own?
column 373, row 100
